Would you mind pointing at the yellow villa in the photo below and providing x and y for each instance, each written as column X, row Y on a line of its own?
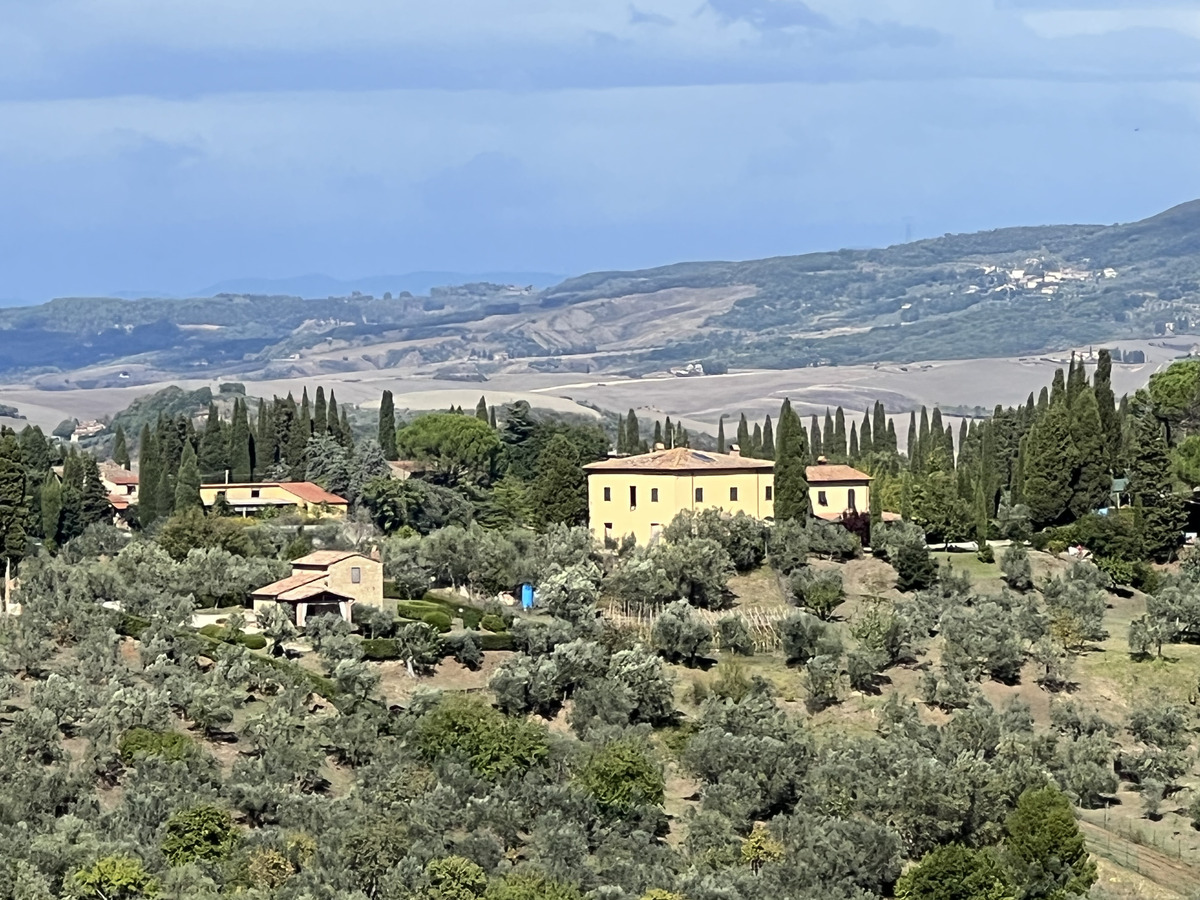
column 289, row 496
column 835, row 491
column 640, row 495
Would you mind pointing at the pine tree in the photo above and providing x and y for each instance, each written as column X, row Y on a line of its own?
column 768, row 440
column 320, row 412
column 866, row 438
column 791, row 462
column 721, row 435
column 816, row 445
column 481, row 409
column 1106, row 405
column 120, row 450
column 852, row 452
column 840, row 448
column 240, row 463
column 187, row 482
column 147, row 478
column 1049, row 460
column 213, row 456
column 387, row 425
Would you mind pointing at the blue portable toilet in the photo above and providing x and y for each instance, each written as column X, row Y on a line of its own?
column 527, row 596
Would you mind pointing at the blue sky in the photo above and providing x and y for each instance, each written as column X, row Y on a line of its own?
column 166, row 146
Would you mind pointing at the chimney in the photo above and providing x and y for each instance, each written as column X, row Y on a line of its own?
column 821, row 460
column 735, row 450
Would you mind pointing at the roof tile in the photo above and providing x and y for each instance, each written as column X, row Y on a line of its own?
column 680, row 459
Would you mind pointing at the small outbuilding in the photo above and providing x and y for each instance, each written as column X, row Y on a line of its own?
column 326, row 582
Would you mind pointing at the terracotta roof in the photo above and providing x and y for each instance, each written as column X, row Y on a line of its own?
column 293, row 581
column 324, row 558
column 118, row 475
column 681, row 459
column 313, row 493
column 308, row 591
column 119, row 501
column 827, row 473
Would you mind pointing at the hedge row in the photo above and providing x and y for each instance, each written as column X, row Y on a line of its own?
column 382, row 649
column 249, row 641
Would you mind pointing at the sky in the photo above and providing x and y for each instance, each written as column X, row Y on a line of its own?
column 162, row 147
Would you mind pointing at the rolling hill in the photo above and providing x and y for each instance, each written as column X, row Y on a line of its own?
column 998, row 293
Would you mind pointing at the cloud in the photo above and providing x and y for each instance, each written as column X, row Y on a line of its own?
column 769, row 15
column 638, row 17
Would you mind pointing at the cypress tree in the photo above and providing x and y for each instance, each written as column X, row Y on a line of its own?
column 681, row 436
column 791, row 462
column 816, row 446
column 187, row 482
column 51, row 510
column 120, row 450
column 768, row 440
column 1018, row 475
column 214, row 455
column 828, row 442
column 165, row 493
column 387, row 425
column 1043, row 401
column 633, row 433
column 481, row 409
column 147, row 478
column 265, row 448
column 923, row 445
column 560, row 489
column 906, row 497
column 893, row 442
column 756, row 442
column 840, row 447
column 95, row 505
column 658, row 434
column 721, row 435
column 320, row 412
column 1076, row 380
column 1090, row 482
column 912, row 439
column 866, row 437
column 1058, row 387
column 240, row 463
column 743, row 437
column 668, row 434
column 1106, row 405
column 879, row 427
column 622, row 442
column 948, row 447
column 982, row 515
column 876, row 509
column 170, row 447
column 72, row 523
column 345, row 431
column 306, row 422
column 13, row 505
column 492, row 417
column 334, row 419
column 1149, row 469
column 1049, row 463
column 853, row 449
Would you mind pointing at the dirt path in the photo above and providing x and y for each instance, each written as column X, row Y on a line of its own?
column 1155, row 865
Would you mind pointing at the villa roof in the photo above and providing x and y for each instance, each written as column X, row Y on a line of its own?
column 323, row 558
column 313, row 493
column 293, row 581
column 834, row 474
column 681, row 459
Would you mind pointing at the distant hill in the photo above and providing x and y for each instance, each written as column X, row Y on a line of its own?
column 319, row 286
column 997, row 293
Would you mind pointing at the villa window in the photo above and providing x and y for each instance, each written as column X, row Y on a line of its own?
column 255, row 493
column 653, row 495
column 733, row 494
column 822, row 499
column 699, row 495
column 770, row 493
column 632, row 497
column 850, row 500
column 355, row 575
column 607, row 494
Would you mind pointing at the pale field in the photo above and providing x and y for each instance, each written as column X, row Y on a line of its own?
column 699, row 402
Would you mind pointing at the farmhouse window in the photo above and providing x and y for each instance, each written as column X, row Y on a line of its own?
column 355, row 575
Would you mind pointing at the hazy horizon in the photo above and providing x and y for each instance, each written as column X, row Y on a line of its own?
column 153, row 148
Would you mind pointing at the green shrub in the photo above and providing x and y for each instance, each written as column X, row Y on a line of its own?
column 438, row 620
column 169, row 745
column 214, row 631
column 252, row 641
column 623, row 776
column 986, row 554
column 494, row 624
column 379, row 649
column 502, row 641
column 490, row 742
column 202, row 832
column 1056, row 547
column 471, row 618
column 131, row 626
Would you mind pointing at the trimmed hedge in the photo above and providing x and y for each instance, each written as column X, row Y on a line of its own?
column 471, row 618
column 438, row 620
column 380, row 649
column 249, row 641
column 491, row 623
column 502, row 641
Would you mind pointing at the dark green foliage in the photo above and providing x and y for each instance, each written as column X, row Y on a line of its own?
column 1014, row 563
column 804, row 637
column 438, row 620
column 120, row 449
column 954, row 872
column 187, row 483
column 560, row 490
column 791, row 460
column 387, row 426
column 170, row 745
column 680, row 635
column 492, row 744
column 1046, row 851
column 492, row 623
column 114, row 878
column 743, row 537
column 733, row 635
column 915, row 568
column 820, row 592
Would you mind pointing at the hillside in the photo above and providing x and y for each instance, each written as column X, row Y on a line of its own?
column 956, row 296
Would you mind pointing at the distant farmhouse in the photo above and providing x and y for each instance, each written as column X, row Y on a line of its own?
column 640, row 495
column 327, row 582
column 289, row 496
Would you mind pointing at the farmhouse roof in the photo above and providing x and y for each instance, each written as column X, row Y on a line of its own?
column 681, row 459
column 291, row 583
column 313, row 493
column 834, row 474
column 323, row 558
